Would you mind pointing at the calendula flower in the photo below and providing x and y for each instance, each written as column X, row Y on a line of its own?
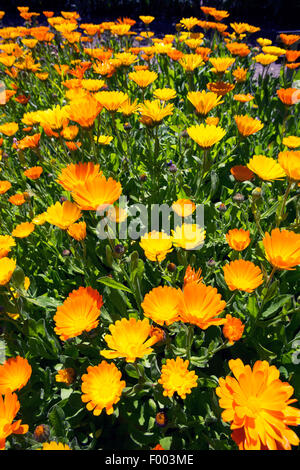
column 63, row 215
column 264, row 42
column 97, row 193
column 129, row 339
column 34, row 172
column 7, row 267
column 53, row 445
column 70, row 132
column 241, row 173
column 17, row 199
column 189, row 23
column 175, row 377
column 77, row 231
column 147, row 19
column 9, row 407
column 204, row 101
column 243, row 98
column 183, row 207
column 266, row 168
column 6, row 243
column 161, row 305
column 256, row 403
column 190, row 62
column 153, row 112
column 212, row 121
column 282, row 248
column 265, row 59
column 292, row 141
column 247, row 125
column 156, row 245
column 220, row 88
column 40, row 219
column 290, row 162
column 23, row 230
column 143, row 78
column 4, row 186
column 233, row 329
column 14, row 374
column 206, row 135
column 238, row 239
column 111, row 100
column 9, row 129
column 200, row 305
column 164, row 94
column 66, row 376
column 103, row 139
column 289, row 39
column 240, row 74
column 221, row 64
column 289, row 96
column 273, row 50
column 242, row 275
column 128, row 108
column 53, row 119
column 117, row 214
column 188, row 236
column 102, row 387
column 76, row 174
column 238, row 48
column 84, row 110
column 79, row 312
column 192, row 276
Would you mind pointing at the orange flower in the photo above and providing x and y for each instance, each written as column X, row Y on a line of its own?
column 241, row 173
column 34, row 172
column 77, row 231
column 192, row 276
column 17, row 199
column 242, row 275
column 266, row 168
column 97, row 193
column 55, row 446
column 220, row 88
column 289, row 39
column 6, row 242
column 290, row 162
column 4, row 186
column 243, row 98
column 256, row 403
column 248, row 125
column 183, row 207
column 63, row 215
column 66, row 376
column 84, row 110
column 111, row 100
column 23, row 230
column 7, row 267
column 221, row 64
column 289, row 96
column 80, row 312
column 240, row 74
column 238, row 239
column 175, row 377
column 291, row 141
column 9, row 407
column 161, row 305
column 204, row 101
column 200, row 305
column 14, row 374
column 76, row 174
column 233, row 329
column 9, row 128
column 143, row 78
column 282, row 248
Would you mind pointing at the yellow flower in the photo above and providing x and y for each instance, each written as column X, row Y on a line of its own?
column 188, row 236
column 282, row 248
column 128, row 107
column 204, row 101
column 23, row 230
column 147, row 19
column 66, row 376
column 175, row 377
column 206, row 135
column 189, row 23
column 183, row 207
column 221, row 64
column 290, row 162
column 55, row 446
column 292, row 141
column 266, row 168
column 153, row 112
column 191, row 61
column 242, row 275
column 129, row 340
column 9, row 128
column 161, row 304
column 265, row 59
column 103, row 139
column 264, row 42
column 40, row 219
column 7, row 267
column 6, row 242
column 156, row 245
column 111, row 100
column 63, row 215
column 273, row 50
column 164, row 94
column 247, row 125
column 143, row 78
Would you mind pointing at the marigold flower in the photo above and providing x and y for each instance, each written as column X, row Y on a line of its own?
column 212, row 121
column 265, row 59
column 14, row 374
column 128, row 340
column 17, row 199
column 220, row 88
column 289, row 96
column 53, row 119
column 282, row 248
column 117, row 214
column 233, row 329
column 266, row 168
column 289, row 39
column 69, row 132
column 256, row 403
column 103, row 139
column 97, row 193
column 7, row 267
column 4, row 186
column 143, row 78
column 153, row 112
column 264, row 42
column 290, row 162
column 188, row 236
column 273, row 50
column 84, row 110
column 63, row 215
column 9, row 128
column 79, row 312
column 147, row 19
column 238, row 239
column 200, row 305
column 240, row 74
column 192, row 276
column 238, row 48
column 34, row 172
column 242, row 275
column 9, row 407
column 183, row 207
column 77, row 231
column 191, row 61
column 161, row 305
column 292, row 141
column 156, row 245
column 40, row 219
column 204, row 101
column 66, row 376
column 189, row 23
column 76, row 174
column 247, row 125
column 128, row 108
column 292, row 56
column 206, row 135
column 221, row 64
column 175, row 377
column 111, row 100
column 164, row 94
column 6, row 242
column 241, row 173
column 55, row 446
column 243, row 98
column 23, row 230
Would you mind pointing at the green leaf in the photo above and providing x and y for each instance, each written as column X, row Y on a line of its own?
column 110, row 282
column 56, row 417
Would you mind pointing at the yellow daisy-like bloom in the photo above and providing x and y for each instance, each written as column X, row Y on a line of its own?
column 55, row 446
column 266, row 168
column 40, row 219
column 84, row 110
column 9, row 128
column 175, row 377
column 147, row 19
column 23, row 230
column 6, row 242
column 161, row 305
column 265, row 59
column 111, row 100
column 233, row 329
column 221, row 64
column 128, row 108
column 282, row 248
column 188, row 236
column 183, row 207
column 90, row 84
column 76, row 174
column 242, row 275
column 70, row 132
column 189, row 23
column 102, row 388
column 129, row 339
column 66, row 376
column 153, row 112
column 212, row 121
column 77, row 231
column 220, row 87
column 126, row 58
column 240, row 74
column 7, row 267
column 204, row 101
column 156, row 245
column 248, row 125
column 238, row 239
column 4, row 186
column 97, row 193
column 273, row 50
column 143, row 78
column 79, row 312
column 290, row 162
column 190, row 62
column 200, row 305
column 192, row 276
column 206, row 135
column 14, row 374
column 292, row 141
column 9, row 407
column 103, row 139
column 164, row 94
column 54, row 119
column 243, row 98
column 256, row 403
column 264, row 42
column 63, row 215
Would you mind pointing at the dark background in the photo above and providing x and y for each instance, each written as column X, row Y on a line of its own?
column 270, row 15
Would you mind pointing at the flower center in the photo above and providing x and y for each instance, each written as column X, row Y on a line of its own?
column 254, row 405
